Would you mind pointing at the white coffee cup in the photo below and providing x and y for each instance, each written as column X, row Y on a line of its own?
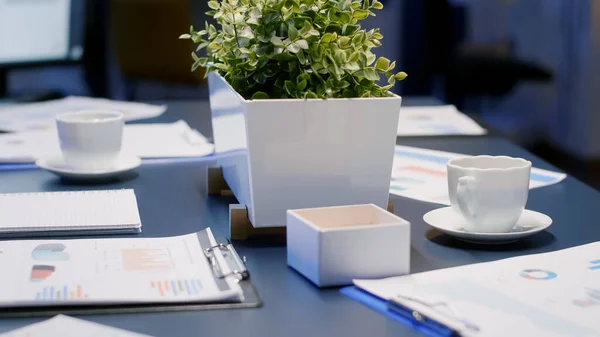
column 90, row 140
column 489, row 192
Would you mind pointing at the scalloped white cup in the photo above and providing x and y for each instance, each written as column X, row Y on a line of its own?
column 90, row 140
column 490, row 192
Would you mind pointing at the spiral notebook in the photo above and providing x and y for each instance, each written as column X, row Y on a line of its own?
column 69, row 213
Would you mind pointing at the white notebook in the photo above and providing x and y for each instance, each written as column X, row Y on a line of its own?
column 69, row 213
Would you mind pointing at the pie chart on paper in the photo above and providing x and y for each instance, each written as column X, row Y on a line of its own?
column 50, row 252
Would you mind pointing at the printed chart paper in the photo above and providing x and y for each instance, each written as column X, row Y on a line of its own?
column 436, row 121
column 160, row 140
column 545, row 295
column 65, row 326
column 41, row 116
column 110, row 271
column 422, row 175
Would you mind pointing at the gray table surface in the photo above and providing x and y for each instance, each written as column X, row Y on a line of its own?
column 172, row 200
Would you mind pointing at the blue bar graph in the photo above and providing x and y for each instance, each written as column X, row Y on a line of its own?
column 596, row 265
column 174, row 287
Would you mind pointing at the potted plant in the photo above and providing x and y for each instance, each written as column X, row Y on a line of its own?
column 294, row 89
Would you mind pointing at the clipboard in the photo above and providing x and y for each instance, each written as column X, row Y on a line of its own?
column 381, row 306
column 235, row 263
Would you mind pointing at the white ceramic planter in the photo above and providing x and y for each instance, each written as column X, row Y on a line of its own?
column 294, row 153
column 331, row 246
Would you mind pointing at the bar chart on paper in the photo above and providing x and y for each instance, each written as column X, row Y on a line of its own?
column 421, row 174
column 177, row 287
column 61, row 293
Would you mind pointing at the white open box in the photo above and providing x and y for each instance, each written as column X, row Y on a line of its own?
column 331, row 246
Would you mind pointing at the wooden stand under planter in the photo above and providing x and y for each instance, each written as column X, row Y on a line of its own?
column 240, row 227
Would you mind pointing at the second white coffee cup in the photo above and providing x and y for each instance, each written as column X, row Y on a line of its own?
column 90, row 140
column 489, row 192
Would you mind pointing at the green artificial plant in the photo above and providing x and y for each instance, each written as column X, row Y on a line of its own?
column 294, row 48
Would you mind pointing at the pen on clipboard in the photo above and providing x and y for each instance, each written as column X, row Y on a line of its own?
column 442, row 324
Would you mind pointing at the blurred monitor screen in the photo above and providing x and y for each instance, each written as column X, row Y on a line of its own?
column 38, row 31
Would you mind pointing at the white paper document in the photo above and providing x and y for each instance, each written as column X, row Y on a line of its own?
column 422, row 175
column 545, row 295
column 160, row 140
column 436, row 121
column 113, row 271
column 41, row 116
column 65, row 326
column 72, row 211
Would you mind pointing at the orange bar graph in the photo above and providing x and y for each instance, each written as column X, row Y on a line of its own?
column 72, row 295
column 79, row 294
column 147, row 259
column 166, row 285
column 160, row 289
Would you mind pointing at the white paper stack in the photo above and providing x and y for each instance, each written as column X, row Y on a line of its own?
column 436, row 121
column 166, row 140
column 41, row 116
column 65, row 326
column 73, row 213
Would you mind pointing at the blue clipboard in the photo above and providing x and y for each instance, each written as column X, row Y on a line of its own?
column 381, row 306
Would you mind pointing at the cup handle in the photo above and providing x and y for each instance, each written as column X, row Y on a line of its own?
column 465, row 197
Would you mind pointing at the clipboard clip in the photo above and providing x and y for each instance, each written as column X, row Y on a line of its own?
column 447, row 324
column 234, row 263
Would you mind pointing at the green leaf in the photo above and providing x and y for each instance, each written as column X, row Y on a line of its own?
column 301, row 57
column 302, row 85
column 349, row 29
column 400, row 76
column 276, row 41
column 302, row 44
column 293, row 48
column 310, row 95
column 339, row 56
column 326, row 38
column 185, row 36
column 292, row 32
column 221, row 66
column 259, row 78
column 343, row 84
column 392, row 66
column 371, row 74
column 304, row 76
column 377, row 5
column 260, row 95
column 214, row 46
column 344, row 41
column 213, row 4
column 391, row 79
column 290, row 87
column 382, row 64
column 360, row 14
column 228, row 29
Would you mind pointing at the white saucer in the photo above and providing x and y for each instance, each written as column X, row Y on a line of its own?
column 447, row 221
column 56, row 164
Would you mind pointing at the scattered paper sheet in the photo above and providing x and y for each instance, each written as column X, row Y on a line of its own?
column 544, row 295
column 143, row 140
column 422, row 175
column 112, row 271
column 41, row 116
column 436, row 121
column 65, row 326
